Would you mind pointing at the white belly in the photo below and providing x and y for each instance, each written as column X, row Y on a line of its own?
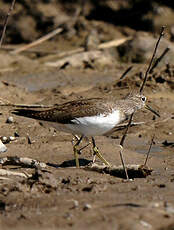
column 94, row 125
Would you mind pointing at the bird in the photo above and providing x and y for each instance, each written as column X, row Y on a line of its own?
column 89, row 117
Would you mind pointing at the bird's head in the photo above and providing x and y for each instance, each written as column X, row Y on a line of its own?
column 139, row 101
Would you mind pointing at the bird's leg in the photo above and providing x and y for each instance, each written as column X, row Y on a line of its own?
column 83, row 147
column 76, row 150
column 77, row 138
column 98, row 154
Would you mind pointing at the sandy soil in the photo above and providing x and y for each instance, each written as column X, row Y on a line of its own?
column 66, row 197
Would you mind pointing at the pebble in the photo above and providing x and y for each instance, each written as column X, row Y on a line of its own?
column 3, row 148
column 68, row 215
column 16, row 134
column 76, row 203
column 145, row 224
column 87, row 207
column 12, row 138
column 10, row 120
column 6, row 140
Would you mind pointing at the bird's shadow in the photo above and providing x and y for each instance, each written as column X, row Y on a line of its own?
column 70, row 163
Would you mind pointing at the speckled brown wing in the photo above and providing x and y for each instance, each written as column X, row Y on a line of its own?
column 66, row 112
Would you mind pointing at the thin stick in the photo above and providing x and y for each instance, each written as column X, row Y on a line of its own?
column 125, row 133
column 137, row 171
column 122, row 161
column 38, row 41
column 113, row 43
column 6, row 21
column 121, row 145
column 159, row 59
column 5, row 172
column 22, row 161
column 147, row 156
column 127, row 70
column 153, row 56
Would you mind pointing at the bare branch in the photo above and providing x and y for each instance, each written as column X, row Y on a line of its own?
column 5, row 172
column 113, row 43
column 122, row 143
column 153, row 56
column 159, row 59
column 147, row 156
column 127, row 71
column 135, row 171
column 125, row 133
column 38, row 41
column 22, row 161
column 6, row 21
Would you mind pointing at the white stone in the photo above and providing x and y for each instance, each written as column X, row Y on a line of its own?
column 12, row 138
column 10, row 120
column 3, row 148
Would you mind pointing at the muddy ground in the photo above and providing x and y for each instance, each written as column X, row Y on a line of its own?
column 61, row 196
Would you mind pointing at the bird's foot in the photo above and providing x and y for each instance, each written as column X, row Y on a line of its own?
column 98, row 154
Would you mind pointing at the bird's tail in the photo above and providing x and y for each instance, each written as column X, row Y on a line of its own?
column 39, row 115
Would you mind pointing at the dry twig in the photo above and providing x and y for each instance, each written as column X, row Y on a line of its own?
column 5, row 172
column 22, row 161
column 6, row 22
column 113, row 43
column 147, row 156
column 127, row 71
column 151, row 61
column 135, row 171
column 121, row 145
column 159, row 59
column 38, row 41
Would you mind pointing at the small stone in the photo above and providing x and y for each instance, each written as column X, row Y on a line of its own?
column 10, row 120
column 29, row 140
column 145, row 224
column 12, row 138
column 76, row 203
column 87, row 207
column 68, row 215
column 4, row 139
column 3, row 148
column 16, row 134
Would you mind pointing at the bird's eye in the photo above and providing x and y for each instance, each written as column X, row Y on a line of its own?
column 143, row 98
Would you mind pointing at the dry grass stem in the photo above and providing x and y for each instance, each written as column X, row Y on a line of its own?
column 38, row 41
column 6, row 22
column 152, row 59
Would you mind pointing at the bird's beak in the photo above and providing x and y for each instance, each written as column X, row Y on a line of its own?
column 153, row 111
